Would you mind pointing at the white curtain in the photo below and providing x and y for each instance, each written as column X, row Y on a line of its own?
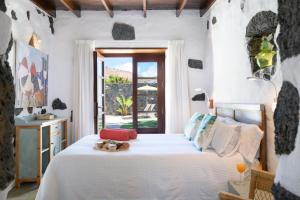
column 177, row 88
column 83, row 109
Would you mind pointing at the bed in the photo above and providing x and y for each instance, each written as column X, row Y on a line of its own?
column 157, row 167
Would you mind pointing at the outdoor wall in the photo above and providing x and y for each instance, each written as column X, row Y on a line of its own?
column 97, row 25
column 112, row 91
column 229, row 57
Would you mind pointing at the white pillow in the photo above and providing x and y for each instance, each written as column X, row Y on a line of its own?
column 251, row 136
column 227, row 120
column 226, row 139
column 192, row 125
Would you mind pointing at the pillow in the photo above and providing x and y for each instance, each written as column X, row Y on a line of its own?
column 251, row 136
column 227, row 120
column 226, row 139
column 132, row 134
column 192, row 125
column 205, row 132
column 118, row 134
column 115, row 134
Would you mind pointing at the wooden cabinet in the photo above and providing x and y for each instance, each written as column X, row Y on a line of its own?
column 37, row 142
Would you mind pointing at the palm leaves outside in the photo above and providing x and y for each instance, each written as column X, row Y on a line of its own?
column 124, row 105
column 114, row 79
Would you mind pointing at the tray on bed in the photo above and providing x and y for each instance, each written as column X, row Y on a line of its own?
column 112, row 146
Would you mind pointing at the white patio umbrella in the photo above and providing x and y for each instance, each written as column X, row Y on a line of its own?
column 147, row 88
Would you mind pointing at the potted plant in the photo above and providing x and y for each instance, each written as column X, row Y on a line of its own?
column 265, row 56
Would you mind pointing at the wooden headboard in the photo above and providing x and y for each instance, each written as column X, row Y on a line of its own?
column 250, row 114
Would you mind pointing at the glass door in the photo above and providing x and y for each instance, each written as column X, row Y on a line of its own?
column 130, row 92
column 148, row 102
column 118, row 92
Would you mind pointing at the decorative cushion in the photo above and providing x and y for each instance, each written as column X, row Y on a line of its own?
column 226, row 139
column 205, row 132
column 118, row 134
column 192, row 126
column 132, row 134
column 251, row 136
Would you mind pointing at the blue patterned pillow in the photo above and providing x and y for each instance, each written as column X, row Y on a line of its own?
column 192, row 125
column 205, row 132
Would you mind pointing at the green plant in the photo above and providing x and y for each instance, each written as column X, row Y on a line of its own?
column 265, row 56
column 125, row 104
column 115, row 79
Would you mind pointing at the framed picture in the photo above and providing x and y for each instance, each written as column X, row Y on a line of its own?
column 31, row 78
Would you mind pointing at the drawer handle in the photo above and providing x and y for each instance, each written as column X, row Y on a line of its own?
column 54, row 151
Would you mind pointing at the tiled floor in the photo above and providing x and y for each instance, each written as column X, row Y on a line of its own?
column 26, row 192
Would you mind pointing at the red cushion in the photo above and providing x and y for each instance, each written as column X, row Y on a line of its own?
column 132, row 134
column 118, row 134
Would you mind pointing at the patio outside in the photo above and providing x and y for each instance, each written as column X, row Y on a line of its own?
column 119, row 90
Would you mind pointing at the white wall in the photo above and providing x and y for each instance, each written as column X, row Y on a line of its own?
column 23, row 28
column 223, row 48
column 97, row 25
column 231, row 63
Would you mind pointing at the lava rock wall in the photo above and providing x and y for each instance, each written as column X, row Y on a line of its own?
column 286, row 116
column 7, row 104
column 7, row 129
column 123, row 31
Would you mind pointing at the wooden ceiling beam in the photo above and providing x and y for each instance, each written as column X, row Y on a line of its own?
column 108, row 7
column 145, row 8
column 180, row 6
column 75, row 9
column 206, row 6
column 49, row 8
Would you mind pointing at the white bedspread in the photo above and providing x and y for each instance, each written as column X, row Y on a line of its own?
column 157, row 167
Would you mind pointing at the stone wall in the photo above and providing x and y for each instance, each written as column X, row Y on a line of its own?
column 286, row 117
column 7, row 104
column 112, row 91
column 232, row 65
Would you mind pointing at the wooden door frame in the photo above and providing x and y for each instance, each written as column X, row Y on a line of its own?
column 147, row 57
column 95, row 58
column 96, row 106
column 160, row 59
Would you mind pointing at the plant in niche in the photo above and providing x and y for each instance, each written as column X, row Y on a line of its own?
column 264, row 57
column 260, row 33
column 125, row 104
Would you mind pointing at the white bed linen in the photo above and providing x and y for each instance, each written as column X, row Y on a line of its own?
column 157, row 167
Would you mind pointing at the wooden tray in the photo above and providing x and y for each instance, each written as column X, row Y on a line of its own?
column 108, row 145
column 45, row 117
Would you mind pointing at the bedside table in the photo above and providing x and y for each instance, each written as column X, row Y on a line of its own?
column 239, row 189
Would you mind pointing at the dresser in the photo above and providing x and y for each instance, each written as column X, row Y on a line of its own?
column 37, row 142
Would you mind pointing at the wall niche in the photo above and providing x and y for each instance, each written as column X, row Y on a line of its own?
column 261, row 46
